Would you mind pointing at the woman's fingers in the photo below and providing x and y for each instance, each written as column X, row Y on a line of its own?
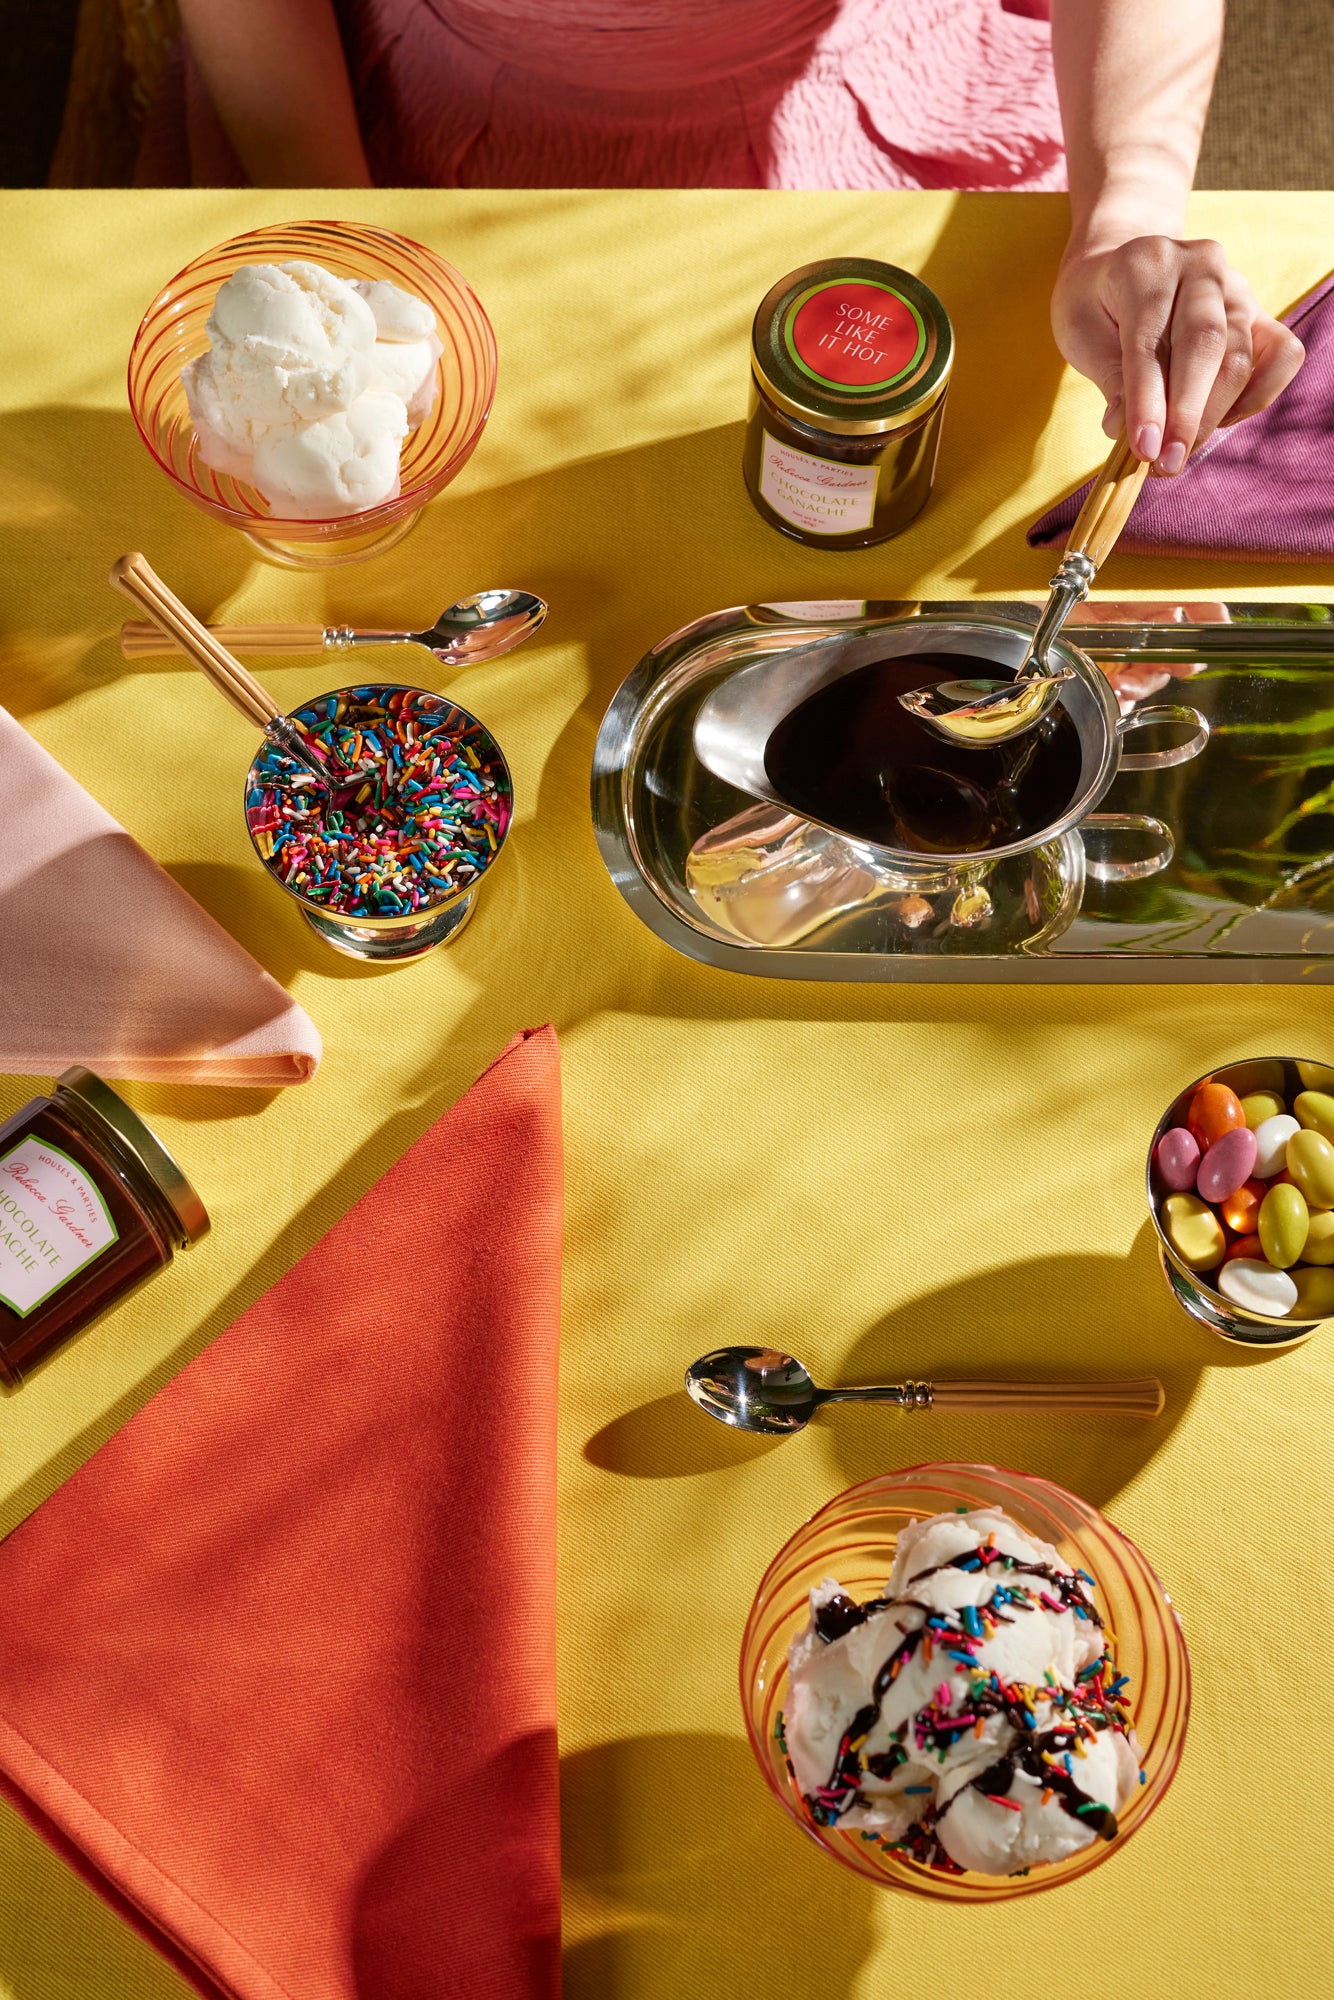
column 1143, row 293
column 1214, row 358
column 1276, row 355
column 1209, row 361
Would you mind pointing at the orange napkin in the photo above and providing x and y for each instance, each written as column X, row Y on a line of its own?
column 277, row 1666
column 104, row 960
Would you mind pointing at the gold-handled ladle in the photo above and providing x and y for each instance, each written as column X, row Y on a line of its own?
column 134, row 576
column 761, row 1389
column 981, row 713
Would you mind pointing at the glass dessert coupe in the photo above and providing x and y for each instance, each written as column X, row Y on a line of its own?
column 853, row 1539
column 172, row 333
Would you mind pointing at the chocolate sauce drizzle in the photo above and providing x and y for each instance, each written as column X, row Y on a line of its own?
column 841, row 1614
column 1027, row 1756
column 1067, row 1586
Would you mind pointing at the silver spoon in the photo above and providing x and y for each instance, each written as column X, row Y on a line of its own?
column 761, row 1389
column 995, row 710
column 481, row 626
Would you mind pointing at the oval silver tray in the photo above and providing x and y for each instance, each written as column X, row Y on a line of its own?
column 1247, row 896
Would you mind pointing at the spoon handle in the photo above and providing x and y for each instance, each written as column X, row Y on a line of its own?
column 1143, row 1398
column 142, row 641
column 1107, row 508
column 133, row 575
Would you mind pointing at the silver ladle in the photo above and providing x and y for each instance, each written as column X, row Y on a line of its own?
column 760, row 1389
column 481, row 626
column 983, row 713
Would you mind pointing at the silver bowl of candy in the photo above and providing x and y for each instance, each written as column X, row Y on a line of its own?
column 1241, row 1190
column 386, row 863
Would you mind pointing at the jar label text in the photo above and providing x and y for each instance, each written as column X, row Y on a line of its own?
column 862, row 337
column 53, row 1221
column 817, row 495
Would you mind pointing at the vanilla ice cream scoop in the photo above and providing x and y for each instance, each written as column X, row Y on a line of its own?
column 310, row 384
column 399, row 315
column 407, row 346
column 288, row 343
column 972, row 1716
column 407, row 369
column 340, row 464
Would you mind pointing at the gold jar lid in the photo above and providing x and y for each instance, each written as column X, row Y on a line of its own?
column 133, row 1136
column 852, row 346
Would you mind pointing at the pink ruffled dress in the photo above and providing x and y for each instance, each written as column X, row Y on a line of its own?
column 695, row 93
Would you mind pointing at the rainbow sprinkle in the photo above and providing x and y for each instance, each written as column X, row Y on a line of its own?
column 418, row 822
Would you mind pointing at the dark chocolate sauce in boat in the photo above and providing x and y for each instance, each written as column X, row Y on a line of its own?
column 853, row 758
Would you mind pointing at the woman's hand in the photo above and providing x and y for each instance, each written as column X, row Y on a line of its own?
column 1174, row 338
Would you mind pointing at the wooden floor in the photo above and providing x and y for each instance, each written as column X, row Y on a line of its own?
column 1271, row 124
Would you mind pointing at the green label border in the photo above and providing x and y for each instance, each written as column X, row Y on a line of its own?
column 26, row 1313
column 827, row 381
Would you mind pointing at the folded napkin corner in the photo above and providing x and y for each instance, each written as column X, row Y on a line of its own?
column 109, row 962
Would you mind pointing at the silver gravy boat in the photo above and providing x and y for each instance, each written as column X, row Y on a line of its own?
column 735, row 723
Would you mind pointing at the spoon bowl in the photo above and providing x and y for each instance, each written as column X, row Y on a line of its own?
column 985, row 712
column 479, row 626
column 753, row 1389
column 1003, row 711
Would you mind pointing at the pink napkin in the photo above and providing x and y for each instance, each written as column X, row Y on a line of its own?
column 1263, row 488
column 104, row 960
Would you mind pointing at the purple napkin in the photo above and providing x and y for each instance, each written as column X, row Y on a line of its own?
column 1264, row 488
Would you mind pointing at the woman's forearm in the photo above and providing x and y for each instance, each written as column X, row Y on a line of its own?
column 277, row 75
column 1134, row 78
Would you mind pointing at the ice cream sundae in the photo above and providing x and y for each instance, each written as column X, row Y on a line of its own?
column 972, row 1717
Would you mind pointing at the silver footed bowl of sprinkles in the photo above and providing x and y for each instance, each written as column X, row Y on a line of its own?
column 964, row 1682
column 385, row 860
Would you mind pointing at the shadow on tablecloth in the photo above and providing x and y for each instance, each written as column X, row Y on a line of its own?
column 77, row 489
column 681, row 1876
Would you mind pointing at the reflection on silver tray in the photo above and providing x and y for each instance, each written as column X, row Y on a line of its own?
column 1248, row 893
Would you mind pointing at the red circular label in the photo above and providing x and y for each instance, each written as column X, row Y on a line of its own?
column 855, row 334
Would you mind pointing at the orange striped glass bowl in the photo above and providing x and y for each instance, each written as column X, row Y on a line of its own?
column 172, row 333
column 854, row 1537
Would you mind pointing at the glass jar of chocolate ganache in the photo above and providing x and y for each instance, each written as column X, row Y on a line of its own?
column 91, row 1207
column 850, row 366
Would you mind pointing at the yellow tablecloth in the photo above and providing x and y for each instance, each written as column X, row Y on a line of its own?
column 888, row 1180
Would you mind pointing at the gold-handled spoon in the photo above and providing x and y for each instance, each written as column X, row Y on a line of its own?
column 761, row 1389
column 478, row 627
column 981, row 713
column 133, row 575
